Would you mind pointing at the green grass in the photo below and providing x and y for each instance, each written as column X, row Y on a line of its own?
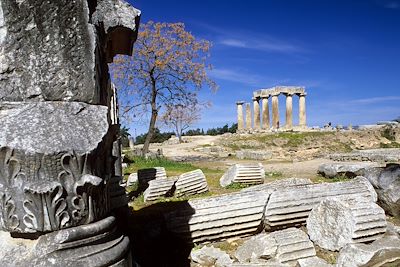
column 274, row 174
column 236, row 186
column 172, row 167
column 389, row 145
column 290, row 139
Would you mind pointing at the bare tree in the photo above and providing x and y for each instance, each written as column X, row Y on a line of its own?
column 167, row 68
column 180, row 118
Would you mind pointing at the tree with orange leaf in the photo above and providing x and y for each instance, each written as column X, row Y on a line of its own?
column 167, row 68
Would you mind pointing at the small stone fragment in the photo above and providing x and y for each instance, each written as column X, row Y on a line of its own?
column 211, row 256
column 132, row 179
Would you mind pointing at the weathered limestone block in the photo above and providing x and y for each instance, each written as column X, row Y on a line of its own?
column 95, row 244
column 55, row 51
column 338, row 221
column 349, row 170
column 382, row 252
column 219, row 217
column 210, row 256
column 252, row 173
column 378, row 155
column 146, row 175
column 386, row 182
column 191, row 183
column 286, row 246
column 292, row 206
column 158, row 188
column 52, row 158
column 253, row 154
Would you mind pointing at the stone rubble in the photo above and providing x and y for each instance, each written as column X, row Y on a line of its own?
column 377, row 155
column 158, row 188
column 211, row 256
column 218, row 217
column 251, row 173
column 285, row 246
column 350, row 170
column 191, row 183
column 338, row 221
column 386, row 181
column 253, row 154
column 382, row 252
column 291, row 206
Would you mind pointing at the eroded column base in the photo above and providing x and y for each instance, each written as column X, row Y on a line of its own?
column 95, row 244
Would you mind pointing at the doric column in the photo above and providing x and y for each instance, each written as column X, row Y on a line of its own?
column 239, row 106
column 275, row 111
column 248, row 116
column 256, row 111
column 265, row 113
column 289, row 111
column 302, row 110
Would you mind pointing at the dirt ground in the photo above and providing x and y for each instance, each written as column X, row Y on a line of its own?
column 285, row 168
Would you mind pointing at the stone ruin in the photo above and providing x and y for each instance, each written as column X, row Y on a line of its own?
column 59, row 148
column 264, row 124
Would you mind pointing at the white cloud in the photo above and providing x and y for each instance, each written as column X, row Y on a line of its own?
column 265, row 43
column 233, row 43
column 236, row 76
column 245, row 39
column 373, row 100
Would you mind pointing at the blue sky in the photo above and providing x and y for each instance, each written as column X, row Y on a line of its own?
column 346, row 54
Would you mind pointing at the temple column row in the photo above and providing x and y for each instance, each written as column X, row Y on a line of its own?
column 275, row 113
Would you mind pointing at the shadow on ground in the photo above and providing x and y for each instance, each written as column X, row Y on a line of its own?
column 153, row 245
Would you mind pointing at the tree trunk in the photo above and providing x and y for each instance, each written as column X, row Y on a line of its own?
column 179, row 134
column 153, row 119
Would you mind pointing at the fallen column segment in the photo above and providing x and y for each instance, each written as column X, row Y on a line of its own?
column 146, row 175
column 244, row 174
column 292, row 206
column 191, row 183
column 336, row 222
column 219, row 217
column 158, row 188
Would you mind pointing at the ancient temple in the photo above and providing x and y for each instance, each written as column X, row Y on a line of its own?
column 59, row 148
column 261, row 117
